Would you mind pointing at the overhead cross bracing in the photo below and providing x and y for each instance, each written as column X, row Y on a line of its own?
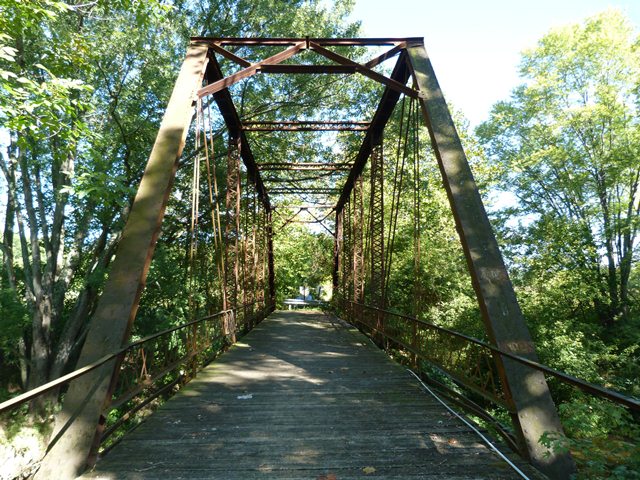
column 300, row 126
column 287, row 159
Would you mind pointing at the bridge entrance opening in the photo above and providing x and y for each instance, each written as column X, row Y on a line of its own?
column 338, row 139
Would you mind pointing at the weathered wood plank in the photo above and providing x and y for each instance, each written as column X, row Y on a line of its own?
column 302, row 396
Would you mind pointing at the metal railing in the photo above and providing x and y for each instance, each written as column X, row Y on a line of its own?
column 152, row 366
column 467, row 361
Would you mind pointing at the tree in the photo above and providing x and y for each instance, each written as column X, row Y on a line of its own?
column 82, row 90
column 566, row 144
column 66, row 104
column 302, row 258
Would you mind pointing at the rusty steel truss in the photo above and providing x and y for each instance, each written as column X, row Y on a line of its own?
column 359, row 250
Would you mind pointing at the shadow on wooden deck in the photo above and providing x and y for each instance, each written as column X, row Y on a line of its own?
column 303, row 396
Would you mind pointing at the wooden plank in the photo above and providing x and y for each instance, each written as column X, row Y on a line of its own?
column 301, row 396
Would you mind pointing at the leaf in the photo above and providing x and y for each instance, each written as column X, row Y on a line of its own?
column 368, row 470
column 6, row 75
column 8, row 53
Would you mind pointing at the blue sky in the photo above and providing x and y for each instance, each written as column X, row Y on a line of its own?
column 475, row 45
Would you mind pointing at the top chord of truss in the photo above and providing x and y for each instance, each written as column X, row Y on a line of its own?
column 305, row 126
column 258, row 41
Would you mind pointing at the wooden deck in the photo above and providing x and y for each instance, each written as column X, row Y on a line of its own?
column 303, row 396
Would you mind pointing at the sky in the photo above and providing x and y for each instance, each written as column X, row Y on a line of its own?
column 475, row 45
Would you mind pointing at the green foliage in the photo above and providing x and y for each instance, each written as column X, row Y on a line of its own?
column 14, row 319
column 302, row 258
column 565, row 147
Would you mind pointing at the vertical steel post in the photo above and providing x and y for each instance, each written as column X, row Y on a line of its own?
column 376, row 232
column 337, row 255
column 232, row 233
column 347, row 268
column 262, row 246
column 358, row 247
column 270, row 263
column 75, row 432
column 527, row 390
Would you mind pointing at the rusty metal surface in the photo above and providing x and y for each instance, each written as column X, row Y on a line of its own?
column 309, row 191
column 535, row 414
column 376, row 293
column 305, row 126
column 386, row 55
column 118, row 304
column 232, row 120
column 358, row 242
column 367, row 72
column 232, row 228
column 309, row 69
column 346, row 282
column 229, row 55
column 337, row 252
column 264, row 41
column 374, row 134
column 249, row 71
column 340, row 167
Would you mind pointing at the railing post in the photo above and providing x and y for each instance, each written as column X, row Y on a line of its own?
column 535, row 412
column 75, row 427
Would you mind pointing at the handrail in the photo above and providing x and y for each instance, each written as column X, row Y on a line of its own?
column 35, row 392
column 591, row 388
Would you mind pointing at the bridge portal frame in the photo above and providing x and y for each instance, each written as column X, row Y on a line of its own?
column 79, row 425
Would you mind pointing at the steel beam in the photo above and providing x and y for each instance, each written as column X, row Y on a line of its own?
column 310, row 191
column 292, row 166
column 305, row 126
column 229, row 55
column 358, row 243
column 270, row 263
column 309, row 69
column 535, row 412
column 367, row 72
column 226, row 82
column 376, row 231
column 308, row 122
column 232, row 229
column 306, row 129
column 386, row 55
column 353, row 42
column 337, row 253
column 347, row 258
column 232, row 120
column 374, row 134
column 75, row 431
